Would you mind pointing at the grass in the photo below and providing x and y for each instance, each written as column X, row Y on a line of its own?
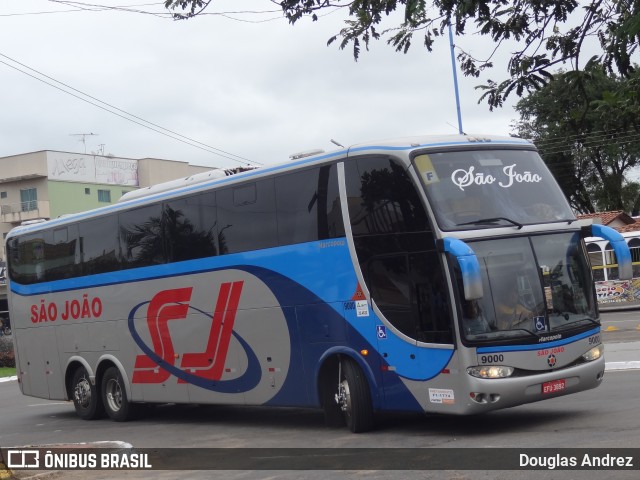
column 7, row 372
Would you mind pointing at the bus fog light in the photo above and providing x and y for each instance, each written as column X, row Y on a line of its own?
column 490, row 371
column 594, row 354
column 478, row 397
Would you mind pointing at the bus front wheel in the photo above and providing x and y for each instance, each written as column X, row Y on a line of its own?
column 85, row 396
column 354, row 397
column 114, row 396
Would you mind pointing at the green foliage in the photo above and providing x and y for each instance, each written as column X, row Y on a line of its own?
column 586, row 125
column 192, row 7
column 7, row 358
column 545, row 36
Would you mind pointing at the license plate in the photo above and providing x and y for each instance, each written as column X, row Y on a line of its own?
column 553, row 386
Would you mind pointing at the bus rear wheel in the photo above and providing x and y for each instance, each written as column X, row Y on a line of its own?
column 85, row 396
column 114, row 396
column 354, row 397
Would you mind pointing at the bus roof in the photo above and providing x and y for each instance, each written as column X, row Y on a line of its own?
column 427, row 141
column 218, row 176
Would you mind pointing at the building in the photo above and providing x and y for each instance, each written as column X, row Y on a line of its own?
column 610, row 290
column 617, row 220
column 48, row 184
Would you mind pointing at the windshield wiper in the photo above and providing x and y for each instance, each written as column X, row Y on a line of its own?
column 493, row 220
column 574, row 324
column 562, row 314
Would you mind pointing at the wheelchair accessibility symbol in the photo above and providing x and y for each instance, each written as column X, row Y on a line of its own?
column 540, row 324
column 381, row 331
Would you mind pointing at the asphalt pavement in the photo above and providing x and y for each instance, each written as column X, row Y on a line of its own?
column 619, row 356
column 622, row 356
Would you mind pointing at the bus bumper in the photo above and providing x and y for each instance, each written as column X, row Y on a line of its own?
column 491, row 394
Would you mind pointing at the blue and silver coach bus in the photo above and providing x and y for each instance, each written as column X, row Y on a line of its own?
column 429, row 274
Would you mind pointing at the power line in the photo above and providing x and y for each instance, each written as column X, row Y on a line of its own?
column 620, row 137
column 92, row 7
column 80, row 7
column 124, row 114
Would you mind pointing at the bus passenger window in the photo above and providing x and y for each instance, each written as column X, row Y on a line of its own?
column 247, row 217
column 382, row 198
column 190, row 227
column 99, row 245
column 28, row 253
column 141, row 237
column 308, row 206
column 62, row 253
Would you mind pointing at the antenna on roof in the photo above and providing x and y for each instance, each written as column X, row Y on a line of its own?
column 336, row 143
column 84, row 138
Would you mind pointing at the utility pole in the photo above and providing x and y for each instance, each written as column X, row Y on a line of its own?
column 84, row 138
column 455, row 80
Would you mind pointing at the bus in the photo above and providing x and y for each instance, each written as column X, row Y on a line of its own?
column 612, row 291
column 437, row 274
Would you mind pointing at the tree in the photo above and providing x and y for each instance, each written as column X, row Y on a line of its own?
column 549, row 32
column 588, row 145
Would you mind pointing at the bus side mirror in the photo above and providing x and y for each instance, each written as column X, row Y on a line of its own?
column 620, row 247
column 469, row 266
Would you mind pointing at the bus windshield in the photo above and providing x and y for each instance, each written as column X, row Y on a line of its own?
column 533, row 286
column 471, row 189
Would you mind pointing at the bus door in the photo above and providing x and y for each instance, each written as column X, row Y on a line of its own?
column 412, row 295
column 396, row 252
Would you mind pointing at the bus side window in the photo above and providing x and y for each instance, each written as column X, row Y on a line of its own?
column 190, row 227
column 99, row 245
column 382, row 198
column 28, row 252
column 308, row 206
column 247, row 217
column 141, row 237
column 62, row 253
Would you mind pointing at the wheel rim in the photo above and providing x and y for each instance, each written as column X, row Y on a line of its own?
column 345, row 398
column 82, row 393
column 114, row 395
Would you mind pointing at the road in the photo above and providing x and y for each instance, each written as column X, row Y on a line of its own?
column 602, row 418
column 621, row 326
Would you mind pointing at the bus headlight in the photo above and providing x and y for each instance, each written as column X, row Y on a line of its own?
column 490, row 371
column 594, row 354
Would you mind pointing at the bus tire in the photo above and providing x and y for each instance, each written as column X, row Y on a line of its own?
column 114, row 396
column 355, row 398
column 85, row 396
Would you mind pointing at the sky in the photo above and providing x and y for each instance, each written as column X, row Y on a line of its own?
column 241, row 86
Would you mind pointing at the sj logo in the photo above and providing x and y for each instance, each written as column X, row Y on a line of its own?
column 173, row 304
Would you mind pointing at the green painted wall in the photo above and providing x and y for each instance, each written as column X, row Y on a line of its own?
column 70, row 197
